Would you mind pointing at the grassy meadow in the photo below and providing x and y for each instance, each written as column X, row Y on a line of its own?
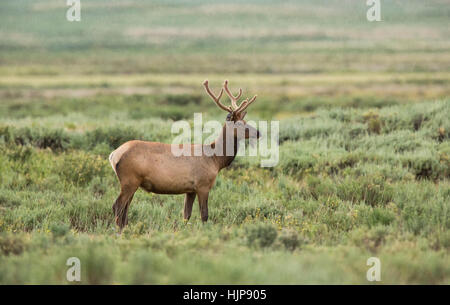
column 364, row 169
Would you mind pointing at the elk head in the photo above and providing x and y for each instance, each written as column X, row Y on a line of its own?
column 236, row 113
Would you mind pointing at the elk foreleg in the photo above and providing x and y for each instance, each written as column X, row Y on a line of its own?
column 188, row 203
column 203, row 203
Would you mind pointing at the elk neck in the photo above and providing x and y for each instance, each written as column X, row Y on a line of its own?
column 221, row 143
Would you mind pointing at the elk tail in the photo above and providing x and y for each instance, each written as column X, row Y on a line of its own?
column 113, row 162
column 116, row 155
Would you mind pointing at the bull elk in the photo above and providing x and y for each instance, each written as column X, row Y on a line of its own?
column 153, row 167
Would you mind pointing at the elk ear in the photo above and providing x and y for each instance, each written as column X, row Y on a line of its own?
column 242, row 115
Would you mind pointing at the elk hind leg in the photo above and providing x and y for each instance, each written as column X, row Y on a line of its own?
column 120, row 207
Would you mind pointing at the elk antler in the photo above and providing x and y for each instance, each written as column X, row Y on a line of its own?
column 234, row 107
column 245, row 104
column 233, row 98
column 216, row 99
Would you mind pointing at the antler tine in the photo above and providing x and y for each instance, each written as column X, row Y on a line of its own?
column 233, row 98
column 216, row 99
column 245, row 104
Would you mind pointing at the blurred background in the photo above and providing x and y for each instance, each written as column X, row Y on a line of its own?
column 300, row 55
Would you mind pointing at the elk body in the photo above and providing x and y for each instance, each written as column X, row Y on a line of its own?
column 153, row 167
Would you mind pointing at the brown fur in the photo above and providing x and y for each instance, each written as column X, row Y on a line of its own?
column 153, row 167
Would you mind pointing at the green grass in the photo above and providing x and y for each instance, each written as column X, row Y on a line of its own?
column 339, row 195
column 364, row 141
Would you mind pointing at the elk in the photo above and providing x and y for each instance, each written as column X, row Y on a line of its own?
column 153, row 167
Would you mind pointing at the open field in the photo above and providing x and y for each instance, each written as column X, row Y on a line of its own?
column 364, row 111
